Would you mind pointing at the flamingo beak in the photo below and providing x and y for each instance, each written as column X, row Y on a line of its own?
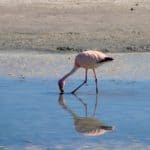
column 60, row 84
column 61, row 90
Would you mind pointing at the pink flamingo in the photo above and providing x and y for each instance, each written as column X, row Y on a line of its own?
column 88, row 60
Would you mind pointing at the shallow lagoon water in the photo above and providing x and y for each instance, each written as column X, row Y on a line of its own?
column 32, row 116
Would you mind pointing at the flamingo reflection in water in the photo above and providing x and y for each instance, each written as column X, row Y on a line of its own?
column 89, row 126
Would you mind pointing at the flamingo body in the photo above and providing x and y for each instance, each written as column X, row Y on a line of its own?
column 88, row 60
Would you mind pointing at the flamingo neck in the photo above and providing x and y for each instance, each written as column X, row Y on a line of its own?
column 69, row 74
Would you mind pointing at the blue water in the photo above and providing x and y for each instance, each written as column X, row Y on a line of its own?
column 31, row 115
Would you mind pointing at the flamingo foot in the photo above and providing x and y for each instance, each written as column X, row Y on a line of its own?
column 73, row 92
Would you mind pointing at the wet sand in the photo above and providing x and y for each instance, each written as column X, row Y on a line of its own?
column 127, row 66
column 112, row 26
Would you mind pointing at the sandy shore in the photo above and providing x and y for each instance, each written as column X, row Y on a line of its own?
column 112, row 26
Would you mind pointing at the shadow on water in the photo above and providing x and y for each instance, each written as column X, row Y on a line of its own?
column 87, row 125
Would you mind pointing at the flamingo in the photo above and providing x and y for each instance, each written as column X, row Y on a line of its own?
column 89, row 59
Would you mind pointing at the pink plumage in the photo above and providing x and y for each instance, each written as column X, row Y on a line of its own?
column 88, row 60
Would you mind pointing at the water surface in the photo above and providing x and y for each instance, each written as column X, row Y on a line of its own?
column 34, row 116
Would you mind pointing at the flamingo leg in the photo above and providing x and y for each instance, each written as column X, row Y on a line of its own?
column 85, row 81
column 95, row 80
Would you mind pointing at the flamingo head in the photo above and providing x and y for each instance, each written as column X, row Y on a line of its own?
column 61, row 86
